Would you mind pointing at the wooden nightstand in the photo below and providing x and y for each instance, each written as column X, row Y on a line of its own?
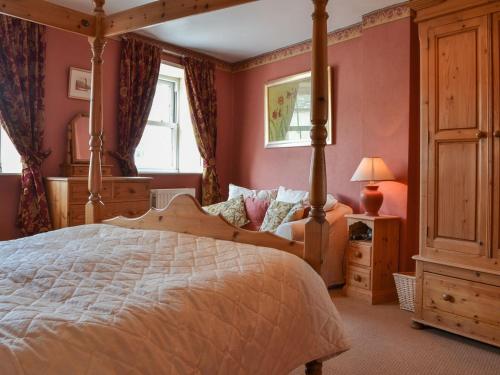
column 371, row 262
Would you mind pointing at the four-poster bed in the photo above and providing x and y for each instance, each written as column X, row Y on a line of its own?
column 184, row 215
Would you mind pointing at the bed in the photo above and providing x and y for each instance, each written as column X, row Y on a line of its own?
column 176, row 290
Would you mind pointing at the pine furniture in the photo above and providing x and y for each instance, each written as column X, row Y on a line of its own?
column 371, row 263
column 458, row 268
column 122, row 196
column 98, row 27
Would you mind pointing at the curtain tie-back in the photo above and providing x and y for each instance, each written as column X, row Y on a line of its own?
column 34, row 160
column 209, row 163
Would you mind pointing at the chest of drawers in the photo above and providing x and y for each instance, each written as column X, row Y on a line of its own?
column 122, row 196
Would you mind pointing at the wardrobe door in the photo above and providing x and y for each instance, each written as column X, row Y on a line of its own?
column 496, row 139
column 457, row 170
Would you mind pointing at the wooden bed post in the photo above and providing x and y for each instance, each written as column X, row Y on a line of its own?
column 95, row 206
column 317, row 228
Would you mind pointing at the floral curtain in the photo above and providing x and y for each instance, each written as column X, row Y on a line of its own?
column 200, row 83
column 22, row 74
column 139, row 70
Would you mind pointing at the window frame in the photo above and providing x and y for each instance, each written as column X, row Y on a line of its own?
column 175, row 126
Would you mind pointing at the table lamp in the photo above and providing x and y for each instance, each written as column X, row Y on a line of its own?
column 372, row 169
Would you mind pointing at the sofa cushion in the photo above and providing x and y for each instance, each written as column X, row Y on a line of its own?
column 256, row 211
column 292, row 196
column 297, row 196
column 233, row 210
column 297, row 212
column 275, row 214
column 235, row 191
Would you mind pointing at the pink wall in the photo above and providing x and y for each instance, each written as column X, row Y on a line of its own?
column 371, row 110
column 65, row 50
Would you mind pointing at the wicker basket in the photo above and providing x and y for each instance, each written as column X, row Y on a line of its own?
column 405, row 285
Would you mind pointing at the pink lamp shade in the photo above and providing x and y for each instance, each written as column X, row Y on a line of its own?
column 372, row 169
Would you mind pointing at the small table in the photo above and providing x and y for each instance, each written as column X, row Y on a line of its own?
column 371, row 261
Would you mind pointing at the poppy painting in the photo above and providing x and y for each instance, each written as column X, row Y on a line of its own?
column 288, row 111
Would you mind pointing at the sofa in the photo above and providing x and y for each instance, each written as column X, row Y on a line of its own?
column 240, row 211
column 333, row 261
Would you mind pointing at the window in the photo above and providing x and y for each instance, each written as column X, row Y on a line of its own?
column 10, row 160
column 300, row 125
column 168, row 144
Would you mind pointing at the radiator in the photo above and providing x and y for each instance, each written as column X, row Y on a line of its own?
column 160, row 198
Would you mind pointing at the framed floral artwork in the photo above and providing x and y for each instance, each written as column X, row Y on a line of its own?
column 288, row 111
column 79, row 83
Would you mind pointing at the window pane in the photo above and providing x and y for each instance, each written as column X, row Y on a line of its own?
column 11, row 161
column 156, row 151
column 163, row 109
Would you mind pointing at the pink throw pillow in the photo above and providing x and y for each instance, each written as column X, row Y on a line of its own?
column 256, row 211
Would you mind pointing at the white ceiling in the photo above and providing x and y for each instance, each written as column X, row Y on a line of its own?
column 248, row 30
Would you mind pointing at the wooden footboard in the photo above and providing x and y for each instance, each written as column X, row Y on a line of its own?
column 185, row 215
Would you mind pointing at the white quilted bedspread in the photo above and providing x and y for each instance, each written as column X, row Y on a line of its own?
column 99, row 299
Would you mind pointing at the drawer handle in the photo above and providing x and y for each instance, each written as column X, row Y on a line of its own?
column 131, row 191
column 497, row 134
column 357, row 278
column 358, row 254
column 481, row 135
column 448, row 298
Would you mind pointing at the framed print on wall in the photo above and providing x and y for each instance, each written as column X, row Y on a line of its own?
column 79, row 83
column 288, row 111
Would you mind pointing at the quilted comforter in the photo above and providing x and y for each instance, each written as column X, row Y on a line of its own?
column 99, row 299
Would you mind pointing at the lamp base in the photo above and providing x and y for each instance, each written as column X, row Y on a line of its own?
column 372, row 199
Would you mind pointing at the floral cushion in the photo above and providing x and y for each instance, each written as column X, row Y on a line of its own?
column 297, row 212
column 233, row 210
column 275, row 214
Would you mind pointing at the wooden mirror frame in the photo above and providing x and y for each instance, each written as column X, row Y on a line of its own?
column 73, row 139
column 73, row 167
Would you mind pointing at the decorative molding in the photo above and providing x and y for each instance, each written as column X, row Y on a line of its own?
column 178, row 51
column 378, row 17
column 389, row 14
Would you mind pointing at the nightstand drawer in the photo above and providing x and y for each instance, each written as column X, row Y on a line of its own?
column 359, row 277
column 360, row 253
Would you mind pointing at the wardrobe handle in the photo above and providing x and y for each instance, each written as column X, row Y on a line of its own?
column 448, row 298
column 481, row 135
column 497, row 133
column 357, row 278
column 358, row 254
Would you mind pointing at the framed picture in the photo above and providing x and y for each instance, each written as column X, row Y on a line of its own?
column 79, row 83
column 288, row 111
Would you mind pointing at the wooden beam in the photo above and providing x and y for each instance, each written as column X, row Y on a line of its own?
column 49, row 14
column 94, row 208
column 161, row 11
column 317, row 229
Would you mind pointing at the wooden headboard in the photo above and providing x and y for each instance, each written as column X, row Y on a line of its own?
column 185, row 215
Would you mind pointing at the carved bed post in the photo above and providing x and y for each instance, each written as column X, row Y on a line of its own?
column 316, row 230
column 94, row 207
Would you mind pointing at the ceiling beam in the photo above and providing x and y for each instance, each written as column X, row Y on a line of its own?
column 161, row 11
column 49, row 14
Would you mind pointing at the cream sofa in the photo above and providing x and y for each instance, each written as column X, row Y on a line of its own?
column 335, row 215
column 333, row 265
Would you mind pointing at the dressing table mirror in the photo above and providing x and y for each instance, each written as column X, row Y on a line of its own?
column 78, row 153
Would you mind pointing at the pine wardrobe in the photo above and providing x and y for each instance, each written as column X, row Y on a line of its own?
column 458, row 267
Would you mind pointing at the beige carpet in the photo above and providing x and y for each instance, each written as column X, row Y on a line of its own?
column 384, row 343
